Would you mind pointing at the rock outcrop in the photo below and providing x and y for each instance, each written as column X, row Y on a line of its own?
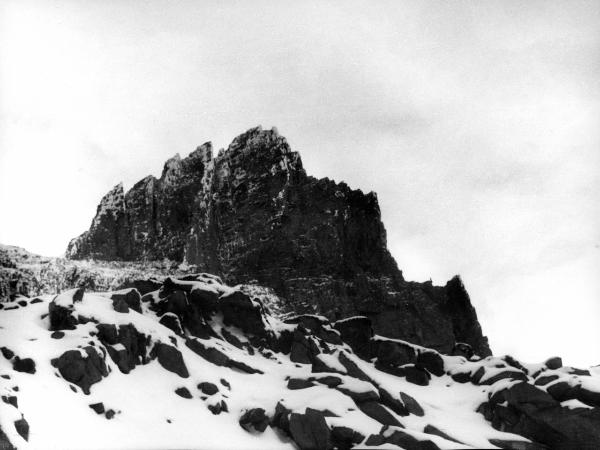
column 252, row 214
column 232, row 375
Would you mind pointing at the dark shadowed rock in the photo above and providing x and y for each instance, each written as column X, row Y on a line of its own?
column 183, row 392
column 310, row 431
column 531, row 412
column 299, row 383
column 240, row 310
column 60, row 310
column 208, row 388
column 5, row 443
column 22, row 428
column 393, row 403
column 171, row 321
column 430, row 429
column 217, row 357
column 416, row 375
column 97, row 407
column 218, row 408
column 81, row 370
column 26, row 365
column 357, row 333
column 11, row 400
column 131, row 297
column 7, row 353
column 408, row 442
column 170, row 358
column 554, row 363
column 345, row 438
column 379, row 413
column 120, row 305
column 392, row 354
column 252, row 213
column 411, row 405
column 254, row 418
column 431, row 361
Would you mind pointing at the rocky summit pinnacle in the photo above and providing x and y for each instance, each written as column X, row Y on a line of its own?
column 252, row 214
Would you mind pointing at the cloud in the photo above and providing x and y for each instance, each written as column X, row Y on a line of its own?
column 476, row 124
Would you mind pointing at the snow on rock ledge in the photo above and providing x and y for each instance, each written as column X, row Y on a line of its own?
column 198, row 364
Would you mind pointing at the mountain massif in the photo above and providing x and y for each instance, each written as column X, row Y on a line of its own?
column 238, row 303
column 251, row 214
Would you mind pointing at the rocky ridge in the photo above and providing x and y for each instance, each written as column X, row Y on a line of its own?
column 193, row 363
column 252, row 215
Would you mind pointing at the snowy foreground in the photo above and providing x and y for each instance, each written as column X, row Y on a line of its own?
column 196, row 364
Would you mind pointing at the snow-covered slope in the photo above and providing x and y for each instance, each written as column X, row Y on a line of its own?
column 193, row 363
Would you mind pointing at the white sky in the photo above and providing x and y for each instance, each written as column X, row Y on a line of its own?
column 475, row 122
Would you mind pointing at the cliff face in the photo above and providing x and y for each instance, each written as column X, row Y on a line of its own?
column 252, row 214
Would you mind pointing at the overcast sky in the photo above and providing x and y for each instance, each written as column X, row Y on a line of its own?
column 475, row 122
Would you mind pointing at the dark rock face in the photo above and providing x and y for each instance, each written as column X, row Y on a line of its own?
column 80, row 370
column 310, row 430
column 254, row 418
column 253, row 214
column 526, row 410
column 170, row 358
column 26, row 365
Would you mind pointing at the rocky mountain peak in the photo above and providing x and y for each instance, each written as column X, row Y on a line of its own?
column 253, row 215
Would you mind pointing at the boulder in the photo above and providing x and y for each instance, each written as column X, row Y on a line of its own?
column 310, row 431
column 357, row 332
column 81, row 370
column 392, row 354
column 120, row 305
column 393, row 403
column 5, row 443
column 146, row 286
column 97, row 407
column 60, row 310
column 411, row 405
column 530, row 412
column 360, row 396
column 344, row 438
column 57, row 335
column 432, row 361
column 131, row 297
column 430, row 429
column 545, row 379
column 218, row 408
column 171, row 321
column 183, row 392
column 299, row 383
column 379, row 413
column 254, row 418
column 7, row 353
column 208, row 388
column 241, row 311
column 408, row 442
column 107, row 333
column 170, row 359
column 26, row 365
column 554, row 363
column 416, row 375
column 22, row 428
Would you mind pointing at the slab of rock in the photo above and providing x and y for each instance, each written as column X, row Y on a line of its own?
column 310, row 431
column 170, row 359
column 81, row 370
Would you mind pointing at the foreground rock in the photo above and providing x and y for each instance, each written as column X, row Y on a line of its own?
column 199, row 364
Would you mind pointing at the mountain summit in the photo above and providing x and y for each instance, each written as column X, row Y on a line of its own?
column 253, row 215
